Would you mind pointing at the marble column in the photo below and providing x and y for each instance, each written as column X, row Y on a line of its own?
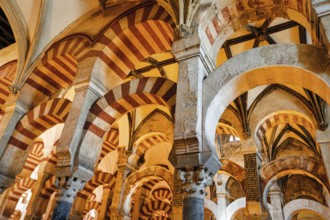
column 68, row 189
column 222, row 195
column 194, row 181
column 276, row 201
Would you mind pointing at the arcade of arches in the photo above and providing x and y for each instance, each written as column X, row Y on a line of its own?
column 165, row 109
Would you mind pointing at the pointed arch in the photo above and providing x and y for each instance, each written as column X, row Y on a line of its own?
column 155, row 112
column 162, row 193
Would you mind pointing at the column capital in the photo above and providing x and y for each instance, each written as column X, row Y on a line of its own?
column 182, row 30
column 68, row 188
column 194, row 181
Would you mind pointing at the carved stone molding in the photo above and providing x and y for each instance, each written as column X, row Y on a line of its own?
column 194, row 181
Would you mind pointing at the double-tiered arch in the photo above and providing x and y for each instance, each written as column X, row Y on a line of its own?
column 301, row 65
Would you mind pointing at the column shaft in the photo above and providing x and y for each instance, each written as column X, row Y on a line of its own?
column 193, row 208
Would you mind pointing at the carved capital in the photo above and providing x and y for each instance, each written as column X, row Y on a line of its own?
column 194, row 181
column 182, row 31
column 68, row 188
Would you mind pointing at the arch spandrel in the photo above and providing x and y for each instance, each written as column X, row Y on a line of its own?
column 301, row 65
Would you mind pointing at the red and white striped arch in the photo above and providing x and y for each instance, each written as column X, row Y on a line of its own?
column 146, row 189
column 48, row 188
column 119, row 101
column 153, row 206
column 144, row 143
column 100, row 178
column 58, row 67
column 38, row 120
column 162, row 193
column 147, row 178
column 93, row 204
column 20, row 187
column 52, row 157
column 7, row 74
column 283, row 117
column 34, row 157
column 110, row 142
column 126, row 97
column 131, row 38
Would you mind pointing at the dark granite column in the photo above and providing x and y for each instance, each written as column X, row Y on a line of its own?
column 194, row 181
column 69, row 188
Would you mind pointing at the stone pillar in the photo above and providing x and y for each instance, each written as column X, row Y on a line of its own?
column 85, row 95
column 189, row 149
column 188, row 114
column 252, row 185
column 276, row 201
column 68, row 188
column 118, row 191
column 194, row 181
